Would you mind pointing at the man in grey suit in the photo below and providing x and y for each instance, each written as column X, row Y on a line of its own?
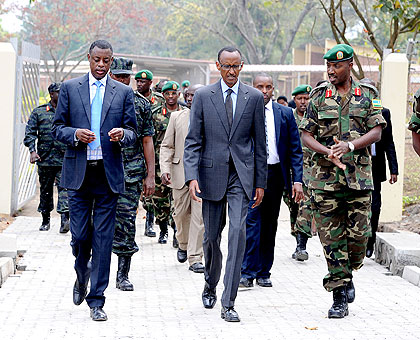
column 225, row 158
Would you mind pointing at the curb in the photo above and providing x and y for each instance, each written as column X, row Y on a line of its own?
column 7, row 268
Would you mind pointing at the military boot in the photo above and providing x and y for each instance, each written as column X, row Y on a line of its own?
column 163, row 235
column 148, row 226
column 65, row 223
column 45, row 222
column 340, row 307
column 122, row 274
column 301, row 240
column 175, row 243
column 351, row 292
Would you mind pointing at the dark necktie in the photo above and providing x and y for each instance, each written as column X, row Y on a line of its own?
column 229, row 107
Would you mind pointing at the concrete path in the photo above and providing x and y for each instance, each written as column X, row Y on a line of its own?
column 166, row 302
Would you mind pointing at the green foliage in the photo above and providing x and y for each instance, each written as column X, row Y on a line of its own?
column 410, row 200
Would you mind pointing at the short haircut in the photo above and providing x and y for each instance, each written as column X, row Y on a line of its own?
column 263, row 75
column 102, row 44
column 228, row 49
column 282, row 97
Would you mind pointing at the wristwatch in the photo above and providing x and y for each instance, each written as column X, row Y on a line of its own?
column 351, row 146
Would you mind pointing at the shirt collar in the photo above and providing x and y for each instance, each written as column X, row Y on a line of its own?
column 269, row 105
column 92, row 79
column 225, row 87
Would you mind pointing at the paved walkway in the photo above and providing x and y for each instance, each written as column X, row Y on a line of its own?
column 166, row 302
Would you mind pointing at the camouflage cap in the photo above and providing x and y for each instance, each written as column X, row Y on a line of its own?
column 170, row 85
column 301, row 89
column 340, row 52
column 185, row 83
column 144, row 74
column 121, row 65
column 54, row 87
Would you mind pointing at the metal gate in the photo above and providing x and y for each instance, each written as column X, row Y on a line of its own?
column 27, row 98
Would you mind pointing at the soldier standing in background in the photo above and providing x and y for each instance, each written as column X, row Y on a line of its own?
column 414, row 126
column 343, row 119
column 144, row 80
column 139, row 164
column 49, row 155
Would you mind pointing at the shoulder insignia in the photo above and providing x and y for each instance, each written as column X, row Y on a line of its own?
column 47, row 108
column 328, row 93
column 153, row 99
column 377, row 104
column 357, row 91
column 317, row 89
column 370, row 87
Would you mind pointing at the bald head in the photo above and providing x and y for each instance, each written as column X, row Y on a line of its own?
column 189, row 94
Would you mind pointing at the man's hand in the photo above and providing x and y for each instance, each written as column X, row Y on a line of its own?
column 116, row 134
column 297, row 192
column 259, row 194
column 85, row 135
column 393, row 179
column 166, row 178
column 34, row 157
column 149, row 186
column 194, row 188
column 340, row 148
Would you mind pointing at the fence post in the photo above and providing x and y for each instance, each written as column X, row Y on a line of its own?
column 394, row 97
column 7, row 120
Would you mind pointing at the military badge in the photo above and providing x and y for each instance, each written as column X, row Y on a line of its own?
column 153, row 100
column 174, row 86
column 377, row 104
column 308, row 89
column 144, row 75
column 328, row 93
column 48, row 108
column 340, row 55
column 164, row 111
column 357, row 92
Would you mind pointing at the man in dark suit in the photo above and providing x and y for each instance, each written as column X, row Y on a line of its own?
column 95, row 117
column 379, row 149
column 284, row 171
column 225, row 158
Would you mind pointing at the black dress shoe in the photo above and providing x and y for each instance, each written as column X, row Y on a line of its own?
column 98, row 314
column 264, row 282
column 229, row 314
column 181, row 255
column 79, row 292
column 350, row 291
column 209, row 296
column 197, row 267
column 369, row 252
column 246, row 283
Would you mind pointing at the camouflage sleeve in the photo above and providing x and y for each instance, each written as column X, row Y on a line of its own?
column 374, row 117
column 414, row 124
column 148, row 129
column 310, row 120
column 31, row 131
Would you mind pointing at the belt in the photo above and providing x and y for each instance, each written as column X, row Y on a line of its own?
column 95, row 163
column 273, row 165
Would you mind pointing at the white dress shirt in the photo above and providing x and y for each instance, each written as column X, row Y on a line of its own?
column 234, row 94
column 273, row 156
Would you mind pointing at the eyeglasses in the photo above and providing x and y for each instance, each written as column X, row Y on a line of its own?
column 228, row 67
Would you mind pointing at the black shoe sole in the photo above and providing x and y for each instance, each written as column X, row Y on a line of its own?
column 338, row 316
column 223, row 316
column 302, row 257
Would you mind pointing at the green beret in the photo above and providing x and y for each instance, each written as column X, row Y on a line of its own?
column 54, row 87
column 185, row 83
column 170, row 85
column 338, row 53
column 144, row 74
column 302, row 89
column 121, row 65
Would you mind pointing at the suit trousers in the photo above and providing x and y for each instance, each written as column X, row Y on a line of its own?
column 189, row 222
column 214, row 216
column 92, row 223
column 376, row 211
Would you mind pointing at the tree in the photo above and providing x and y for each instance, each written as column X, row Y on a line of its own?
column 64, row 29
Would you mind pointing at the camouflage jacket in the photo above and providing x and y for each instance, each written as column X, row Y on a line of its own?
column 157, row 102
column 133, row 156
column 38, row 129
column 414, row 124
column 307, row 154
column 349, row 118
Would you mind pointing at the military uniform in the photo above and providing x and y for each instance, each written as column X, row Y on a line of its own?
column 341, row 199
column 51, row 153
column 414, row 124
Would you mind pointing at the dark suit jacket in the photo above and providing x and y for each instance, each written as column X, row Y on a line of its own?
column 209, row 143
column 385, row 146
column 288, row 145
column 73, row 112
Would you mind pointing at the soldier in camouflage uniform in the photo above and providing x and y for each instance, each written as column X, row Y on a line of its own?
column 49, row 155
column 414, row 125
column 138, row 163
column 342, row 120
column 157, row 102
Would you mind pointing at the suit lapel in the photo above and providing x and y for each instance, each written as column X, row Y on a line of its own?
column 219, row 103
column 84, row 93
column 108, row 97
column 241, row 101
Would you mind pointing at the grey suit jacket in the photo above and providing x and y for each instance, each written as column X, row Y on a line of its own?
column 209, row 143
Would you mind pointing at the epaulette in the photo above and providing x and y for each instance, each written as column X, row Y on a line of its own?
column 158, row 94
column 370, row 87
column 317, row 89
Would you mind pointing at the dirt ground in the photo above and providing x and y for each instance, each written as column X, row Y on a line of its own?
column 5, row 221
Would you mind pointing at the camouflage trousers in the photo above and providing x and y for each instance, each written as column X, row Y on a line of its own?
column 124, row 242
column 48, row 175
column 343, row 222
column 160, row 203
column 300, row 213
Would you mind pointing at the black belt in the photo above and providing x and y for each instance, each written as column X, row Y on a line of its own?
column 273, row 165
column 95, row 163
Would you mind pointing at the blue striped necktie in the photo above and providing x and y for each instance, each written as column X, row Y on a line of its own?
column 95, row 120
